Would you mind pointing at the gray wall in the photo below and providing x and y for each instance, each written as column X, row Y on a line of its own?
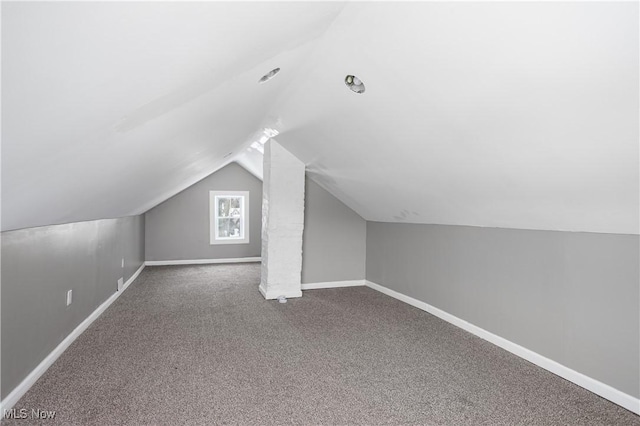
column 40, row 264
column 572, row 297
column 334, row 240
column 178, row 229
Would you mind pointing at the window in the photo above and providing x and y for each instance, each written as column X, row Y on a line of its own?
column 229, row 214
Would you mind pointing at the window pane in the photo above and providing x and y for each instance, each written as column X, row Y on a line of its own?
column 235, row 228
column 224, row 228
column 235, row 202
column 229, row 228
column 223, row 206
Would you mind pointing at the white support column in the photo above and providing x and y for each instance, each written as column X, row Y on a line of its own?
column 282, row 222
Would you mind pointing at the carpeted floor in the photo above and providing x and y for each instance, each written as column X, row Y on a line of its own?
column 199, row 345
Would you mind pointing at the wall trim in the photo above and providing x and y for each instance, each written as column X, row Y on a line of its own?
column 133, row 278
column 201, row 261
column 275, row 293
column 614, row 395
column 333, row 284
column 41, row 368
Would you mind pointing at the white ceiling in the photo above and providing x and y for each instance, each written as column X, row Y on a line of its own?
column 517, row 115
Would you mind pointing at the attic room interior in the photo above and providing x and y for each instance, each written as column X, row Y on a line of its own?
column 325, row 213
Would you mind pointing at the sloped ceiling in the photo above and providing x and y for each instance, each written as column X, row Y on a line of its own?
column 110, row 108
column 521, row 115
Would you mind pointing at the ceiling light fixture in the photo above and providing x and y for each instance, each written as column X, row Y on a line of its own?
column 354, row 83
column 268, row 76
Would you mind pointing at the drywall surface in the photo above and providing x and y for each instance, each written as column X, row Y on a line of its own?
column 334, row 240
column 39, row 266
column 503, row 114
column 571, row 297
column 497, row 124
column 178, row 229
column 177, row 84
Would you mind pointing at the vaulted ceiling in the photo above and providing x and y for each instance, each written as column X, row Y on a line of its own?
column 520, row 115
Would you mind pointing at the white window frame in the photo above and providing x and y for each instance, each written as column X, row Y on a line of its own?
column 214, row 218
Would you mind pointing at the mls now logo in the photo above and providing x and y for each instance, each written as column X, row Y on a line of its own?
column 16, row 414
column 23, row 413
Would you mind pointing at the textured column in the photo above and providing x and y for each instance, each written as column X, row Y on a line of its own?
column 282, row 222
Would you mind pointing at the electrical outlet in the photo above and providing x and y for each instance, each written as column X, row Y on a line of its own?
column 69, row 297
column 123, row 262
column 120, row 283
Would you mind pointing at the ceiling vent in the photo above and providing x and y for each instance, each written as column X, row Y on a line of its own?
column 268, row 76
column 354, row 83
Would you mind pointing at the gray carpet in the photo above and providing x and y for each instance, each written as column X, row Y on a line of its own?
column 199, row 345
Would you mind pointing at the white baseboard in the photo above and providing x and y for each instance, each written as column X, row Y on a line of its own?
column 26, row 384
column 614, row 395
column 270, row 295
column 333, row 284
column 201, row 261
column 133, row 277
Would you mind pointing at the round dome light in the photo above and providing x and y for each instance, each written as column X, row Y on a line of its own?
column 354, row 84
